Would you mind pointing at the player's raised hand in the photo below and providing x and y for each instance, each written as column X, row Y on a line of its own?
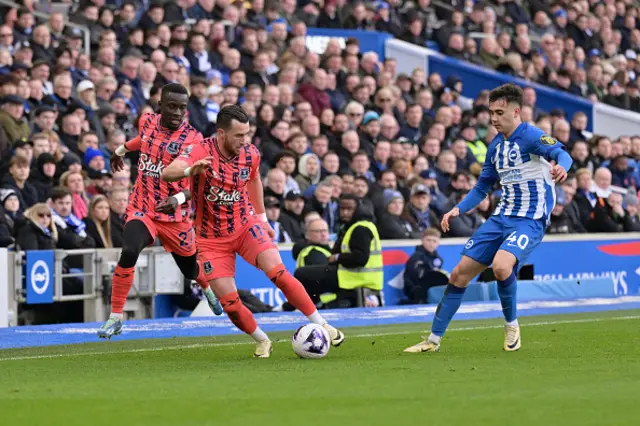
column 454, row 212
column 168, row 205
column 117, row 162
column 200, row 166
column 558, row 173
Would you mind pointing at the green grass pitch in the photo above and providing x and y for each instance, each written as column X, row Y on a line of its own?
column 572, row 370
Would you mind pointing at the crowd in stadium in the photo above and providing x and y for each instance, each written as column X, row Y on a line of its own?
column 344, row 121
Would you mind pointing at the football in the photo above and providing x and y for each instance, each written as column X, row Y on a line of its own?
column 311, row 341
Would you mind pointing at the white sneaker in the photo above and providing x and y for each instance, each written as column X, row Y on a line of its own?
column 337, row 336
column 511, row 338
column 263, row 349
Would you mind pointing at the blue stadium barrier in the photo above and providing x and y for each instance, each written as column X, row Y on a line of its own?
column 577, row 257
column 536, row 290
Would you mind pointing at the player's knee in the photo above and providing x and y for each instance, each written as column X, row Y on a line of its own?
column 128, row 257
column 502, row 270
column 459, row 277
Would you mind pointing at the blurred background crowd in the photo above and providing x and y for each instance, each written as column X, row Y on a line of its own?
column 342, row 121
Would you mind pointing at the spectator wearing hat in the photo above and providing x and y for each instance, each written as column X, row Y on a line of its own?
column 272, row 210
column 11, row 214
column 198, row 102
column 45, row 119
column 291, row 217
column 391, row 225
column 632, row 207
column 101, row 182
column 17, row 179
column 12, row 123
column 42, row 176
column 308, row 171
column 369, row 132
column 93, row 159
column 417, row 212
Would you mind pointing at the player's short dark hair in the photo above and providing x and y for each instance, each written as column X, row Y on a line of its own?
column 59, row 192
column 350, row 197
column 174, row 88
column 230, row 113
column 509, row 92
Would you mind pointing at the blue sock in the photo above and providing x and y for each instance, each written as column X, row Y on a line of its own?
column 447, row 308
column 507, row 290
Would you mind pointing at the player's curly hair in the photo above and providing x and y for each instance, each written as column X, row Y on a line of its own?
column 509, row 92
column 230, row 113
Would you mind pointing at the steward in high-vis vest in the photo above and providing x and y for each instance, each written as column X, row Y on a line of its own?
column 357, row 256
column 314, row 249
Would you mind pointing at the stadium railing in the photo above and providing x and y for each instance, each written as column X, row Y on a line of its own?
column 603, row 119
column 38, row 13
column 156, row 274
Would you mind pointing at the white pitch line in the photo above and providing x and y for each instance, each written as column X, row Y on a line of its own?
column 355, row 336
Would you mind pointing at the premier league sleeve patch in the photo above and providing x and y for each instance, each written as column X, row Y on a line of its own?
column 187, row 151
column 547, row 140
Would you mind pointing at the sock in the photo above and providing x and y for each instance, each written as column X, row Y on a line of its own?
column 116, row 316
column 316, row 318
column 208, row 293
column 514, row 322
column 239, row 315
column 120, row 285
column 447, row 308
column 507, row 292
column 293, row 290
column 435, row 339
column 202, row 281
column 259, row 335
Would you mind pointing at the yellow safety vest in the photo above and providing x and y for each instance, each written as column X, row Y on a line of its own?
column 369, row 276
column 305, row 252
column 478, row 149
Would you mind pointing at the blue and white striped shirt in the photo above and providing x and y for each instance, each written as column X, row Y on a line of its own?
column 521, row 164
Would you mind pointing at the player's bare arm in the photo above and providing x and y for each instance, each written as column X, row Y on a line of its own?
column 170, row 204
column 179, row 169
column 117, row 158
column 256, row 197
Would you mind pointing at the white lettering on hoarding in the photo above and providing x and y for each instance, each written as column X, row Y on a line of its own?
column 318, row 44
column 619, row 278
column 269, row 295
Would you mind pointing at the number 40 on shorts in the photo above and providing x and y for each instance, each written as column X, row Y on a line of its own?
column 522, row 240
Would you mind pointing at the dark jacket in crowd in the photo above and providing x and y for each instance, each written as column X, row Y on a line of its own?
column 117, row 230
column 393, row 227
column 31, row 237
column 292, row 224
column 315, row 257
column 42, row 183
column 416, row 273
column 28, row 195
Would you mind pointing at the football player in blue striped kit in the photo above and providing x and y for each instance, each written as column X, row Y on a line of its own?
column 520, row 158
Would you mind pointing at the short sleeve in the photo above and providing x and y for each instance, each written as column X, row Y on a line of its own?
column 193, row 153
column 134, row 144
column 541, row 144
column 144, row 119
column 255, row 163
